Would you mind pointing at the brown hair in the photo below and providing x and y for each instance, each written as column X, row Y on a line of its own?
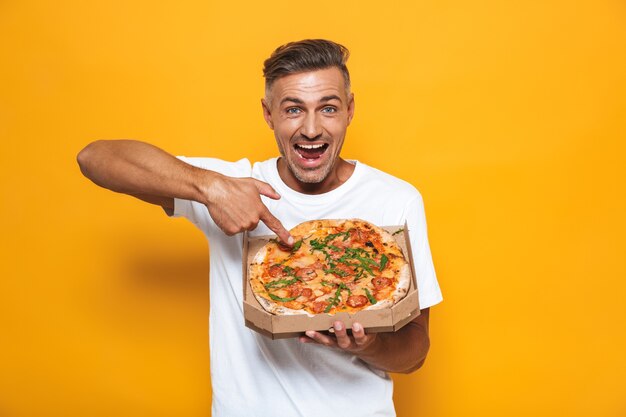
column 305, row 55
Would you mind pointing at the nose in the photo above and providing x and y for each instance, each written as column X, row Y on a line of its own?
column 311, row 128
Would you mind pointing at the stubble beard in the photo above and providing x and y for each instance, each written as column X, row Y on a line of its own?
column 307, row 176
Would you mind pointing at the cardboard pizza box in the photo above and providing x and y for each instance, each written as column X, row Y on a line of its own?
column 374, row 321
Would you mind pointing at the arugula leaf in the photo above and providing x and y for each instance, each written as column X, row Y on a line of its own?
column 337, row 297
column 336, row 271
column 296, row 245
column 383, row 261
column 317, row 245
column 331, row 305
column 354, row 252
column 370, row 296
column 364, row 265
column 368, row 261
column 342, row 285
column 358, row 275
column 277, row 298
column 281, row 283
column 367, row 268
column 360, row 255
column 333, row 236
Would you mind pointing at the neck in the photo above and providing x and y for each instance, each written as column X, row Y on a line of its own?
column 339, row 174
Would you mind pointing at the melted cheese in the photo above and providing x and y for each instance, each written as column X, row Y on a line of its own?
column 304, row 257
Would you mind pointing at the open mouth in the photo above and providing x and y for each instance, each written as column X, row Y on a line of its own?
column 310, row 152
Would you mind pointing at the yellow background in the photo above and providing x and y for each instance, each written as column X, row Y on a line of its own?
column 510, row 117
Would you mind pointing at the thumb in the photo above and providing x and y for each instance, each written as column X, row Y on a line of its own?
column 277, row 227
column 266, row 189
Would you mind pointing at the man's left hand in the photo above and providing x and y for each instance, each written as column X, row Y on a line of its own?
column 358, row 342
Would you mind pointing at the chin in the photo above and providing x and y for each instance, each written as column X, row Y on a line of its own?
column 311, row 177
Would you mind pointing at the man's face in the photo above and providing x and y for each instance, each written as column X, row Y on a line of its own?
column 309, row 113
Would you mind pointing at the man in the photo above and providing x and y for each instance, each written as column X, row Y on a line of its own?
column 308, row 105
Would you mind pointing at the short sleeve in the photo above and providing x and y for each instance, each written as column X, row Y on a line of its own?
column 427, row 285
column 195, row 212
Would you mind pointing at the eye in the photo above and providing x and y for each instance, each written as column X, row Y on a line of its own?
column 293, row 110
column 329, row 109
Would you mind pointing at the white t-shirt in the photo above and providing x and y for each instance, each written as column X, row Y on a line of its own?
column 253, row 375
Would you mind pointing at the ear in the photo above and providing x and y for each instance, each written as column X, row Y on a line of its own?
column 267, row 114
column 350, row 108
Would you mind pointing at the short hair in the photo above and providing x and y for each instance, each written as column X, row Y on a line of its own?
column 306, row 55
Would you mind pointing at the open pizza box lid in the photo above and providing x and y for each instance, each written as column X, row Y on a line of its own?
column 374, row 321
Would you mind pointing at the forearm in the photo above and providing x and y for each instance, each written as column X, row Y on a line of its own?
column 140, row 169
column 151, row 174
column 403, row 351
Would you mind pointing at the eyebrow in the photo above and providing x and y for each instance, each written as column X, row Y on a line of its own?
column 322, row 100
column 292, row 99
column 329, row 98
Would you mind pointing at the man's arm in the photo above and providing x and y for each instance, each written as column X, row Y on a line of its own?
column 403, row 351
column 151, row 174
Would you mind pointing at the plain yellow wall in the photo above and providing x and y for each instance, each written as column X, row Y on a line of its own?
column 510, row 117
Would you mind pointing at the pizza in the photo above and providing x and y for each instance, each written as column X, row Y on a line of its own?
column 334, row 266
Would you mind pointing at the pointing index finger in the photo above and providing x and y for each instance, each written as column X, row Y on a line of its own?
column 277, row 227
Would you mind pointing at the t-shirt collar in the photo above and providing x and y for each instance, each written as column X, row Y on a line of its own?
column 284, row 189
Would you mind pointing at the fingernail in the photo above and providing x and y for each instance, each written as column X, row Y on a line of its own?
column 338, row 326
column 290, row 240
column 356, row 327
column 310, row 333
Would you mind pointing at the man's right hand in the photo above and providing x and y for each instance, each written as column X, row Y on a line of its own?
column 235, row 205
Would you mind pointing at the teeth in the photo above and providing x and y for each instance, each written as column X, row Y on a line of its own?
column 310, row 146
